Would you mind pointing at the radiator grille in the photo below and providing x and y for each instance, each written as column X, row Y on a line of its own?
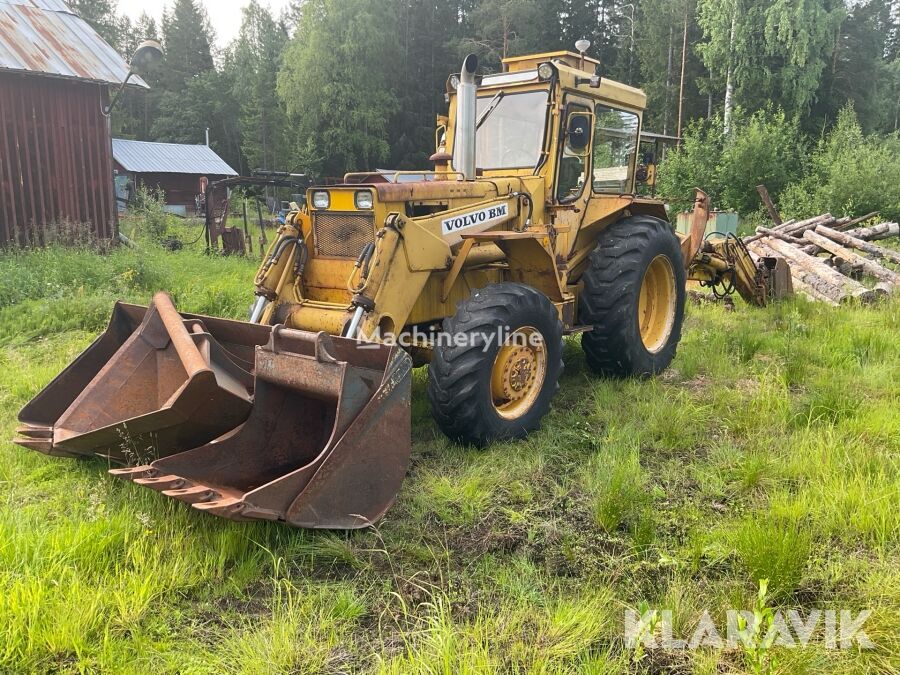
column 342, row 235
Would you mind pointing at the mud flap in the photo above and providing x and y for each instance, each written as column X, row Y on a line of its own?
column 327, row 444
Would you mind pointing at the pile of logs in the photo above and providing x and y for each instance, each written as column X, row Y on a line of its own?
column 849, row 256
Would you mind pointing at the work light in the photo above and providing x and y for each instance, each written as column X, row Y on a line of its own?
column 321, row 199
column 545, row 71
column 363, row 199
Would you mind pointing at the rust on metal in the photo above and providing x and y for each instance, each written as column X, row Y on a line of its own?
column 55, row 163
column 326, row 445
column 239, row 420
column 155, row 382
column 47, row 37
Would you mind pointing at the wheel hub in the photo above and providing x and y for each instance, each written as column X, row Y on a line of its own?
column 657, row 303
column 518, row 372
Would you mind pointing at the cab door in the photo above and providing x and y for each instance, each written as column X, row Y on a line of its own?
column 571, row 185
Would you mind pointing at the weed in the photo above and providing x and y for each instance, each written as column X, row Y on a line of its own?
column 756, row 637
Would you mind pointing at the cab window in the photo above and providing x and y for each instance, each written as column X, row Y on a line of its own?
column 615, row 140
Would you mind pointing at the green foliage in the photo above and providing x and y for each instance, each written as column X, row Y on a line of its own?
column 756, row 638
column 694, row 164
column 779, row 48
column 776, row 549
column 335, row 99
column 763, row 148
column 256, row 60
column 849, row 173
column 152, row 222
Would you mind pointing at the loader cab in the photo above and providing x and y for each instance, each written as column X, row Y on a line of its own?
column 552, row 116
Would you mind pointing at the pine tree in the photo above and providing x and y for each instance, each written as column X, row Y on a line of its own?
column 255, row 62
column 338, row 83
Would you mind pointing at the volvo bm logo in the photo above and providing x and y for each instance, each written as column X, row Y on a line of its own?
column 476, row 220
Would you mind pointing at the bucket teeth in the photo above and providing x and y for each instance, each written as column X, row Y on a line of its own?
column 162, row 483
column 41, row 445
column 40, row 438
column 193, row 494
column 32, row 431
column 133, row 472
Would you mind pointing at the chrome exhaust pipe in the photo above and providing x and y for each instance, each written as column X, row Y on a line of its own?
column 466, row 112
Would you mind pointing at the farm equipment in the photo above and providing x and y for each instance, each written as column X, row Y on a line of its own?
column 528, row 229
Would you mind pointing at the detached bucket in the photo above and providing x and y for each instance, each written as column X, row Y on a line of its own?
column 154, row 383
column 327, row 444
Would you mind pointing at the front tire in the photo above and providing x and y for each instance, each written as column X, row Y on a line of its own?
column 634, row 292
column 496, row 366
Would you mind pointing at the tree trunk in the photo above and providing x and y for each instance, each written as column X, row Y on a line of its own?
column 729, row 77
column 875, row 232
column 853, row 242
column 668, row 81
column 868, row 266
column 811, row 264
column 779, row 235
column 796, row 227
column 809, row 283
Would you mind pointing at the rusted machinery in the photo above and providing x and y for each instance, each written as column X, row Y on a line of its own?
column 528, row 229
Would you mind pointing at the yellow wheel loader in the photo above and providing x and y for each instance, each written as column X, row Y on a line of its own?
column 526, row 230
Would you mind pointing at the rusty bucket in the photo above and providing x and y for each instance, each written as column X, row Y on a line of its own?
column 154, row 383
column 326, row 445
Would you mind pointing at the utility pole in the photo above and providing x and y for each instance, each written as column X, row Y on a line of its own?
column 681, row 85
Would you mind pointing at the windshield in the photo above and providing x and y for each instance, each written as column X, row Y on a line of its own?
column 512, row 135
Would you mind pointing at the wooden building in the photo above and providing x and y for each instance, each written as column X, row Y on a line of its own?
column 175, row 169
column 55, row 153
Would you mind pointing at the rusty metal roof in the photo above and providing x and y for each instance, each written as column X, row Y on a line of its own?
column 148, row 157
column 45, row 36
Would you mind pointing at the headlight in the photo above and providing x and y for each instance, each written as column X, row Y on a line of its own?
column 545, row 71
column 454, row 82
column 363, row 199
column 321, row 200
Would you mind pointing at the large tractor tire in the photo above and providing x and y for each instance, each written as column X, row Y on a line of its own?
column 497, row 365
column 633, row 296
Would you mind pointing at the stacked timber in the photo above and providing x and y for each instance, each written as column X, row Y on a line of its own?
column 833, row 260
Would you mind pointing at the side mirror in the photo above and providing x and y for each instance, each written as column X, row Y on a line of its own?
column 578, row 131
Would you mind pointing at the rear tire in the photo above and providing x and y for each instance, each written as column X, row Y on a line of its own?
column 634, row 291
column 496, row 384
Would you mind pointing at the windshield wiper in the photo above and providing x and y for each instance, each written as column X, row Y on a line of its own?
column 492, row 106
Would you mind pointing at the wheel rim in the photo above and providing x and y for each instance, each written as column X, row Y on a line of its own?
column 656, row 306
column 518, row 372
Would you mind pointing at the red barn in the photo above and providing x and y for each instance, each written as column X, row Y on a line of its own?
column 55, row 153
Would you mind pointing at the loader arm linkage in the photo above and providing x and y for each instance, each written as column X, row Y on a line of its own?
column 725, row 265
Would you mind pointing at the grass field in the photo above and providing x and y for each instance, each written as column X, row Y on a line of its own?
column 769, row 450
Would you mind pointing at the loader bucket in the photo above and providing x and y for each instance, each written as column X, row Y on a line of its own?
column 154, row 383
column 326, row 445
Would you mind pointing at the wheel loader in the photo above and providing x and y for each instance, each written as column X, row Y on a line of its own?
column 526, row 230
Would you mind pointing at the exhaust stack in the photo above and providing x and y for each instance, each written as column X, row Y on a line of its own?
column 466, row 112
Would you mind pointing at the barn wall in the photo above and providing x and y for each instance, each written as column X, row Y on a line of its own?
column 180, row 188
column 55, row 157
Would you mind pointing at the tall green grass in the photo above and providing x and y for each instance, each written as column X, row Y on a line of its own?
column 768, row 450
